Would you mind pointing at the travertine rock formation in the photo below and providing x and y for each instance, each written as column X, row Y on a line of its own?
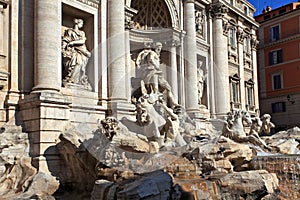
column 19, row 179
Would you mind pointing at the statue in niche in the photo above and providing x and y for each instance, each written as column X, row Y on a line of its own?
column 199, row 20
column 75, row 56
column 148, row 70
column 201, row 75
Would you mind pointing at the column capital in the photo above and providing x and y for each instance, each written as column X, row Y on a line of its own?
column 4, row 3
column 217, row 10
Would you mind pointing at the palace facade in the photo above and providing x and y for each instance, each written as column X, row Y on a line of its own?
column 72, row 62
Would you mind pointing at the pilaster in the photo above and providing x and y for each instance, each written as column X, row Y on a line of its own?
column 240, row 40
column 254, row 44
column 13, row 91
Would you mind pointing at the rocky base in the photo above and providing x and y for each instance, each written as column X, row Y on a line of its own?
column 19, row 179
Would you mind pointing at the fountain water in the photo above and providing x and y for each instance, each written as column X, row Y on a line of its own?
column 287, row 169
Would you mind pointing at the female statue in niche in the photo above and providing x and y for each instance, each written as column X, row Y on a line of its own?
column 75, row 55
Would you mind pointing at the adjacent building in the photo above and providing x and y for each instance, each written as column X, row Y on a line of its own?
column 279, row 64
column 71, row 62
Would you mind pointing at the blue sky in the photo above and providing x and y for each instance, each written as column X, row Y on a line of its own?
column 261, row 4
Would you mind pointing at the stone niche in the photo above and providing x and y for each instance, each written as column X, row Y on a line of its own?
column 75, row 10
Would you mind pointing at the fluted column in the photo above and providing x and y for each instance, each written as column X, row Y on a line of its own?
column 173, row 74
column 221, row 83
column 47, row 46
column 191, row 96
column 116, row 51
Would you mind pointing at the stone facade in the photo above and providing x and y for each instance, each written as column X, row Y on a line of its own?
column 217, row 37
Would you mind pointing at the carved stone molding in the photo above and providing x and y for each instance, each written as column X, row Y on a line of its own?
column 240, row 35
column 93, row 3
column 129, row 24
column 218, row 10
column 225, row 27
column 129, row 13
column 173, row 43
column 254, row 43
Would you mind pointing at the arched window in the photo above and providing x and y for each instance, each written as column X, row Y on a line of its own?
column 152, row 14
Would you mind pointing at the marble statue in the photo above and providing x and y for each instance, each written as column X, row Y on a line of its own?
column 255, row 126
column 171, row 129
column 266, row 124
column 201, row 75
column 148, row 67
column 75, row 56
column 234, row 129
column 199, row 20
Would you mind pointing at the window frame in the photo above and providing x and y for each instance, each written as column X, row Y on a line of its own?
column 281, row 81
column 278, row 107
column 250, row 102
column 273, row 36
column 232, row 37
column 276, row 57
column 235, row 98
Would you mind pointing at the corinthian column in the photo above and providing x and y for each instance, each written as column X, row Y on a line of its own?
column 221, row 83
column 47, row 46
column 191, row 95
column 116, row 50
